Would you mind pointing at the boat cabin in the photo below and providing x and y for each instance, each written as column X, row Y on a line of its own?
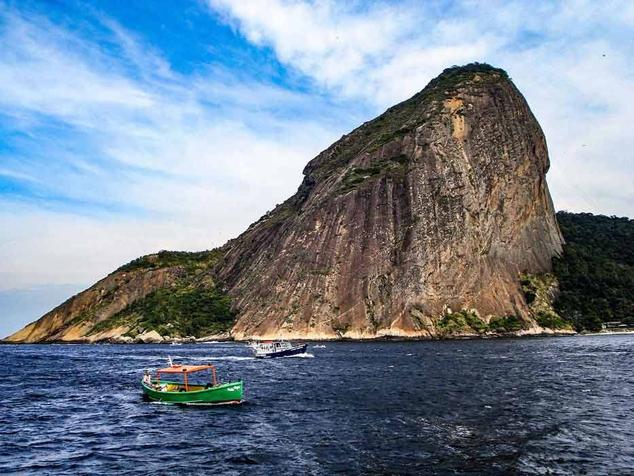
column 270, row 346
column 278, row 348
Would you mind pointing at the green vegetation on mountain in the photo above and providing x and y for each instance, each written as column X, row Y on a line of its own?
column 596, row 270
column 179, row 311
column 191, row 261
column 507, row 324
column 551, row 320
column 540, row 290
column 468, row 322
column 456, row 76
column 194, row 305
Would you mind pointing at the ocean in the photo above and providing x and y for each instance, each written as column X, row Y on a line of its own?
column 559, row 405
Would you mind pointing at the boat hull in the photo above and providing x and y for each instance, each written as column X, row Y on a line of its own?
column 300, row 349
column 221, row 394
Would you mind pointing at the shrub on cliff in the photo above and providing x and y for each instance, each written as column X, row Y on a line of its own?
column 506, row 324
column 189, row 260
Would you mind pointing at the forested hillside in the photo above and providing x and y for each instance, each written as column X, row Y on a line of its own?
column 596, row 271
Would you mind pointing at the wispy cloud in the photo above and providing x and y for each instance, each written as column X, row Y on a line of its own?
column 116, row 155
column 572, row 60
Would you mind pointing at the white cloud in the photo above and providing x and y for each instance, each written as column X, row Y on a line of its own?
column 187, row 175
column 572, row 60
column 41, row 73
column 381, row 52
column 323, row 39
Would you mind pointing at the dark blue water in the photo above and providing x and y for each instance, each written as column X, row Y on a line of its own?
column 534, row 406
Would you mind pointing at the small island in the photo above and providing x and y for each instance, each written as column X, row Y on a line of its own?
column 433, row 220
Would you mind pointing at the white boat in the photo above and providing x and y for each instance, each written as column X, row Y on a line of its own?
column 278, row 348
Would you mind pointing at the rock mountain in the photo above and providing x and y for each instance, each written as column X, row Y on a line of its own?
column 434, row 219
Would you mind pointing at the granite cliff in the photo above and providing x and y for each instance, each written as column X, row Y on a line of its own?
column 436, row 206
column 427, row 221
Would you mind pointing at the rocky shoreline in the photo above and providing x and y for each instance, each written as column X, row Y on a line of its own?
column 155, row 338
column 151, row 339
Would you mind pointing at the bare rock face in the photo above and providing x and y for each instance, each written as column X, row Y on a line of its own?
column 435, row 206
column 151, row 337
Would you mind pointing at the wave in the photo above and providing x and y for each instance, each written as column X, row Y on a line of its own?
column 305, row 355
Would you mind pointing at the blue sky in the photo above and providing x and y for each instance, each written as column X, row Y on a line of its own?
column 130, row 127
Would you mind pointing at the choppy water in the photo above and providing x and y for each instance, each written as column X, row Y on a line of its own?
column 536, row 406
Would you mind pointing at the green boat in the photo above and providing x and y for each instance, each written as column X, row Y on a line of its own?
column 182, row 392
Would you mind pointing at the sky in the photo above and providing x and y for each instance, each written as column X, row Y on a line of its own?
column 132, row 127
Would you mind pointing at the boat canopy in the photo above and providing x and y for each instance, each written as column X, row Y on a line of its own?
column 185, row 370
column 180, row 369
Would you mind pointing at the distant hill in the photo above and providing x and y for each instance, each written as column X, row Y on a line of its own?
column 596, row 271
